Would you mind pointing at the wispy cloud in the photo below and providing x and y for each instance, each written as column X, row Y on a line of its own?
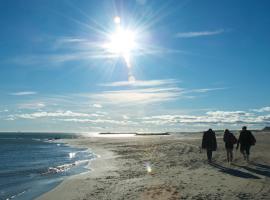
column 96, row 105
column 100, row 121
column 59, row 58
column 23, row 93
column 141, row 83
column 144, row 96
column 145, row 92
column 263, row 109
column 32, row 105
column 199, row 33
column 216, row 119
column 204, row 90
column 67, row 49
column 43, row 114
column 210, row 118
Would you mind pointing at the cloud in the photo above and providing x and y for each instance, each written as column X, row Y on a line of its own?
column 125, row 117
column 141, row 83
column 43, row 114
column 97, row 105
column 100, row 121
column 68, row 49
column 62, row 41
column 142, row 96
column 210, row 118
column 59, row 58
column 35, row 105
column 23, row 93
column 263, row 109
column 216, row 119
column 204, row 90
column 199, row 33
column 144, row 92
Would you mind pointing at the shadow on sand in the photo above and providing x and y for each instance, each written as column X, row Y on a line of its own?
column 234, row 172
column 262, row 166
column 259, row 169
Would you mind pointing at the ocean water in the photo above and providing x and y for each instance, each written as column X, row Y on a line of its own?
column 32, row 164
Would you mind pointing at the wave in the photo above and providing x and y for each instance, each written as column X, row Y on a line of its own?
column 16, row 195
column 80, row 153
column 65, row 167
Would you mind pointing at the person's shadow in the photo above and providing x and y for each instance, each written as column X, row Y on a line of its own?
column 260, row 169
column 266, row 167
column 234, row 172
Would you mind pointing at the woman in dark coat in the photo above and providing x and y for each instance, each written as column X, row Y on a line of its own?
column 229, row 140
column 209, row 143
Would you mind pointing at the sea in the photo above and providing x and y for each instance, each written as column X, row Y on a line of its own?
column 34, row 163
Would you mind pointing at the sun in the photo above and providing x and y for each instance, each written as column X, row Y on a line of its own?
column 121, row 42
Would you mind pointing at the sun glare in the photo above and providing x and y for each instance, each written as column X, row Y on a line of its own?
column 117, row 20
column 122, row 42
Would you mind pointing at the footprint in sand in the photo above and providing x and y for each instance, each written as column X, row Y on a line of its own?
column 160, row 193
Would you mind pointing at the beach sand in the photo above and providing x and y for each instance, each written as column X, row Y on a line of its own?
column 166, row 167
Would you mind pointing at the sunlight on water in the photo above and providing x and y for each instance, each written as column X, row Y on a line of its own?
column 72, row 154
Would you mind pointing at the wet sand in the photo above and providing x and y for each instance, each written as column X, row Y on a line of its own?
column 178, row 170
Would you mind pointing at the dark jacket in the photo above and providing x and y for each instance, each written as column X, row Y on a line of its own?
column 229, row 140
column 209, row 140
column 246, row 138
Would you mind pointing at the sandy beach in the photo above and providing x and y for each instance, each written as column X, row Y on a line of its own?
column 166, row 167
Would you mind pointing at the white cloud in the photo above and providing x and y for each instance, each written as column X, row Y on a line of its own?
column 69, row 40
column 101, row 113
column 97, row 105
column 143, row 92
column 23, row 93
column 147, row 94
column 35, row 105
column 211, row 118
column 58, row 59
column 204, row 90
column 199, row 33
column 36, row 115
column 100, row 121
column 141, row 83
column 263, row 109
column 144, row 96
column 125, row 117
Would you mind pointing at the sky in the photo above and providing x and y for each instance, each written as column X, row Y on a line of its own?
column 191, row 65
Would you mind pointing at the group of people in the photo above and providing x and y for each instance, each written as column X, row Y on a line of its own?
column 246, row 140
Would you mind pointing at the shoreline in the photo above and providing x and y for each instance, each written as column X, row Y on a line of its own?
column 168, row 167
column 33, row 166
column 95, row 169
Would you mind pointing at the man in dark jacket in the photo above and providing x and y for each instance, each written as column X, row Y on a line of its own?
column 229, row 140
column 246, row 140
column 209, row 143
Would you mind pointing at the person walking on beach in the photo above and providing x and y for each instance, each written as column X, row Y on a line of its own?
column 229, row 140
column 246, row 140
column 209, row 143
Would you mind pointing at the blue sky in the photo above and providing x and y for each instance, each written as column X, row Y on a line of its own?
column 197, row 64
